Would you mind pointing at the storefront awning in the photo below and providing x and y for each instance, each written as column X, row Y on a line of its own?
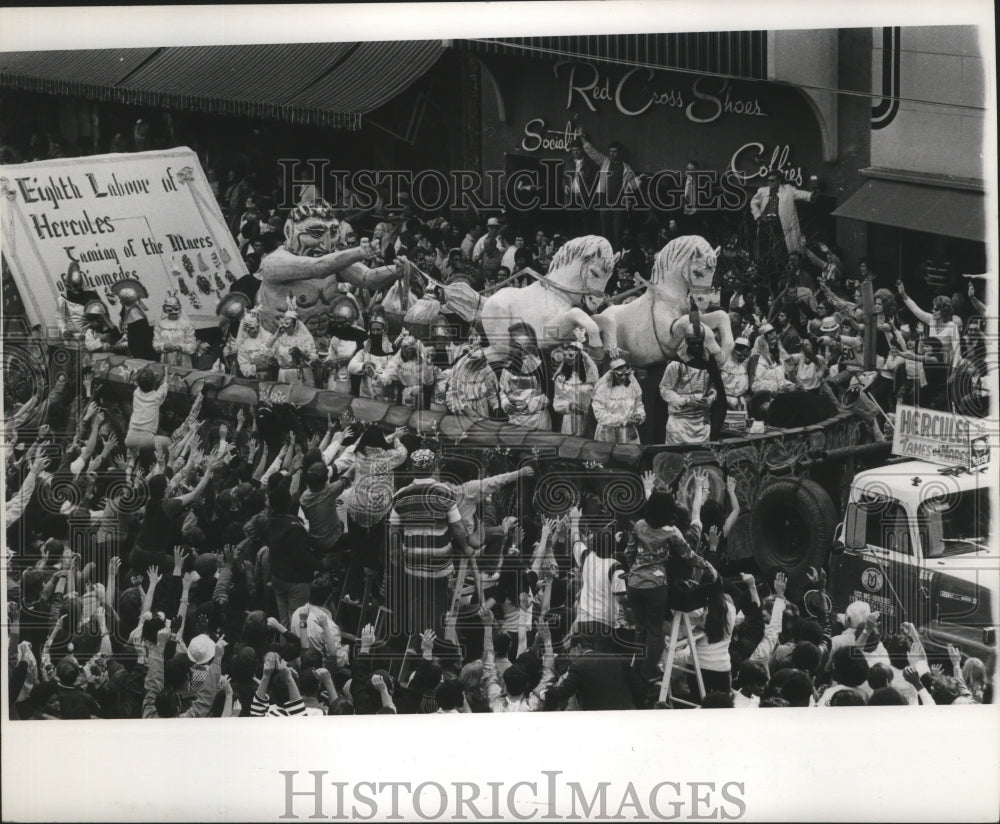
column 936, row 210
column 323, row 84
column 91, row 74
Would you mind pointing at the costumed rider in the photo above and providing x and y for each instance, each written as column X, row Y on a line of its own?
column 409, row 372
column 522, row 382
column 689, row 389
column 766, row 366
column 70, row 308
column 346, row 335
column 101, row 334
column 254, row 345
column 735, row 376
column 444, row 354
column 573, row 390
column 134, row 321
column 617, row 404
column 309, row 268
column 368, row 362
column 294, row 348
column 230, row 311
column 173, row 335
column 473, row 390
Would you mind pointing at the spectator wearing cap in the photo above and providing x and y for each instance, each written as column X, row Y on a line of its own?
column 164, row 694
column 424, row 524
column 617, row 404
column 492, row 233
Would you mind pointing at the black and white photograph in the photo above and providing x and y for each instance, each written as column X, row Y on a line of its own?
column 628, row 364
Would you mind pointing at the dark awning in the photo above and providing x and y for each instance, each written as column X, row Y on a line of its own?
column 325, row 84
column 934, row 209
column 91, row 74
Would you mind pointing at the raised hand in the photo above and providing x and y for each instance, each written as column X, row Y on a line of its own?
column 648, row 482
column 955, row 656
column 713, row 537
column 911, row 676
column 153, row 573
column 427, row 638
column 379, row 683
column 780, row 582
column 367, row 637
column 817, row 578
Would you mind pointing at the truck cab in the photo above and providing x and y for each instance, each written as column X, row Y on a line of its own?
column 915, row 543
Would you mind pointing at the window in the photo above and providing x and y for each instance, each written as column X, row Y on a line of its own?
column 886, row 524
column 961, row 522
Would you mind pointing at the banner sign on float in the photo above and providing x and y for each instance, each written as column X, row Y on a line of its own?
column 145, row 215
column 941, row 438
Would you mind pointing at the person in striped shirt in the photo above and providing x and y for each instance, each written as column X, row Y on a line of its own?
column 425, row 530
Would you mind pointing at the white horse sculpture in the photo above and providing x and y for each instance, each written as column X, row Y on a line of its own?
column 652, row 328
column 552, row 306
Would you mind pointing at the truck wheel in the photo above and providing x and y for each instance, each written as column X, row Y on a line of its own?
column 792, row 526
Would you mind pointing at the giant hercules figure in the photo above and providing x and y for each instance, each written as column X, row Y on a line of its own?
column 308, row 269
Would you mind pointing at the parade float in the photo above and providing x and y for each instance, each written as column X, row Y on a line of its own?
column 150, row 218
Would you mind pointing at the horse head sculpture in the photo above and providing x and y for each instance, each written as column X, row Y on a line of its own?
column 552, row 306
column 680, row 289
column 686, row 267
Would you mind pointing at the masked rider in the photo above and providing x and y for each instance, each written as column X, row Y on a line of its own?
column 687, row 388
column 472, row 390
column 173, row 335
column 294, row 348
column 70, row 316
column 254, row 346
column 134, row 321
column 346, row 335
column 409, row 371
column 368, row 362
column 617, row 405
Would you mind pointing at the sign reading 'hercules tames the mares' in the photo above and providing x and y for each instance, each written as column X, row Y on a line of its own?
column 940, row 437
column 146, row 215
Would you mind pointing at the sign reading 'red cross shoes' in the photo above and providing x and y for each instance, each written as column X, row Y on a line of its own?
column 147, row 215
column 941, row 438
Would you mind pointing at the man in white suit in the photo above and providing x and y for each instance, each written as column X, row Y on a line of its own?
column 773, row 207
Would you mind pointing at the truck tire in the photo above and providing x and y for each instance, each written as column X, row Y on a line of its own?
column 792, row 526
